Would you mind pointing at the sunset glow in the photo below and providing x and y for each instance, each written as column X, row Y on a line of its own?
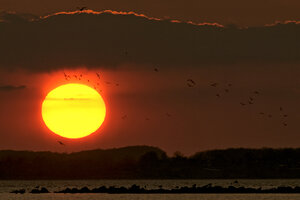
column 73, row 110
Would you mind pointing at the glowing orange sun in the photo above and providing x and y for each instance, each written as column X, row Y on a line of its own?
column 73, row 110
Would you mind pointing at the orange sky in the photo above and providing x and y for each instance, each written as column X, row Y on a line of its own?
column 125, row 50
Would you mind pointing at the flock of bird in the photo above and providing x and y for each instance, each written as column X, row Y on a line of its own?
column 250, row 100
column 225, row 88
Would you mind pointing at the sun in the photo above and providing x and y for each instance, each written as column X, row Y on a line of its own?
column 73, row 110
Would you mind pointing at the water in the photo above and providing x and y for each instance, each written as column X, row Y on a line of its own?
column 7, row 186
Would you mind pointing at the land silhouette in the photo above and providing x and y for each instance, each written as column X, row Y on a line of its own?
column 144, row 162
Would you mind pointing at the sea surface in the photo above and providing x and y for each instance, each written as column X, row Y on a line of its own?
column 7, row 186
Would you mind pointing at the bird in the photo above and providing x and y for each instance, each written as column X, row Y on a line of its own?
column 147, row 119
column 190, row 85
column 251, row 99
column 61, row 143
column 261, row 113
column 168, row 115
column 250, row 102
column 243, row 104
column 256, row 92
column 229, row 85
column 98, row 75
column 155, row 69
column 88, row 80
column 117, row 84
column 214, row 84
column 107, row 82
column 81, row 8
column 285, row 115
column 284, row 124
column 218, row 95
column 191, row 81
column 269, row 115
column 226, row 90
column 280, row 108
column 124, row 117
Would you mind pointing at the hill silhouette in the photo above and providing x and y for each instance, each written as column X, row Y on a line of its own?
column 144, row 162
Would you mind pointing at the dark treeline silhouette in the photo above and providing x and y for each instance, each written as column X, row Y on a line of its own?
column 143, row 162
column 135, row 189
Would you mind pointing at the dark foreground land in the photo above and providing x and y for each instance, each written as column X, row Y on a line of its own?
column 134, row 189
column 143, row 162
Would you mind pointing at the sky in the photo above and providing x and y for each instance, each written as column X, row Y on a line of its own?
column 145, row 53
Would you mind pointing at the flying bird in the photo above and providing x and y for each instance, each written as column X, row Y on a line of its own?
column 261, row 113
column 81, row 8
column 61, row 143
column 280, row 108
column 190, row 85
column 98, row 75
column 214, row 84
column 285, row 115
column 124, row 117
column 155, row 69
column 256, row 92
column 226, row 90
column 218, row 95
column 191, row 81
column 242, row 104
column 284, row 124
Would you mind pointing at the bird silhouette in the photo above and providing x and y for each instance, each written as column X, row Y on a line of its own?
column 256, row 92
column 226, row 90
column 98, row 75
column 191, row 81
column 218, row 95
column 285, row 115
column 81, row 8
column 214, row 84
column 284, row 124
column 261, row 113
column 280, row 108
column 156, row 69
column 190, row 85
column 61, row 143
column 242, row 104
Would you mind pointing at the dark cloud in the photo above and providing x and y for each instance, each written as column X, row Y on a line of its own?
column 109, row 39
column 11, row 87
